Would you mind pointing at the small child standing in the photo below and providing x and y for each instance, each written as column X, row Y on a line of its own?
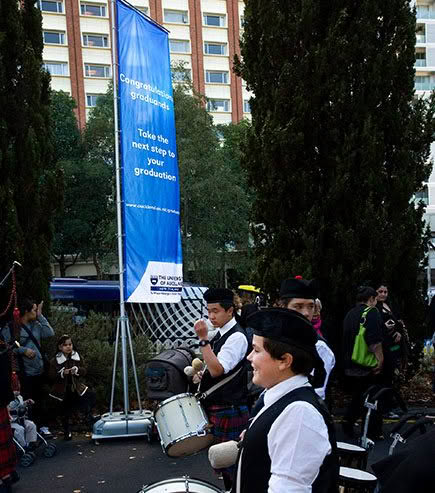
column 67, row 369
column 24, row 429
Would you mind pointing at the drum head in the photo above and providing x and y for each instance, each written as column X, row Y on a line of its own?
column 350, row 476
column 349, row 447
column 181, row 485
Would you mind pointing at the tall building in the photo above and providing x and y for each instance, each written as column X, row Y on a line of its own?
column 424, row 85
column 204, row 34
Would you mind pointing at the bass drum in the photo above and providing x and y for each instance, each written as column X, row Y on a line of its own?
column 181, row 485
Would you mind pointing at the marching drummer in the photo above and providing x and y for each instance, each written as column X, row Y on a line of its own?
column 290, row 443
column 225, row 357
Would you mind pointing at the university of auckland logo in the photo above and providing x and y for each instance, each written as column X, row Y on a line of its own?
column 154, row 279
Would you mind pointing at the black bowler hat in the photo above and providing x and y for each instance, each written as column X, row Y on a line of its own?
column 298, row 288
column 219, row 295
column 288, row 326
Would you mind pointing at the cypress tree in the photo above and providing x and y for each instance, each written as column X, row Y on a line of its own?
column 31, row 185
column 339, row 145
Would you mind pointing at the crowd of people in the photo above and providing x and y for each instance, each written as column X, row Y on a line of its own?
column 26, row 373
column 287, row 436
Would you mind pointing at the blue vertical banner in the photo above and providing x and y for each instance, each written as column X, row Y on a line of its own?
column 150, row 182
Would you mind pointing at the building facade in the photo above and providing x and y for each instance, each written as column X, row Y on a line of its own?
column 424, row 85
column 203, row 34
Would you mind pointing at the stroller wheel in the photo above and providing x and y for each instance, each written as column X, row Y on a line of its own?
column 27, row 459
column 50, row 450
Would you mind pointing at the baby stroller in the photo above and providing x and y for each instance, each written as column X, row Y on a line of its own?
column 27, row 454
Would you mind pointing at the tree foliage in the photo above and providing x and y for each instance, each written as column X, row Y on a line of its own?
column 214, row 198
column 83, row 226
column 338, row 147
column 31, row 185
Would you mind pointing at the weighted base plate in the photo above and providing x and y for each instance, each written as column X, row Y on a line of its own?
column 118, row 425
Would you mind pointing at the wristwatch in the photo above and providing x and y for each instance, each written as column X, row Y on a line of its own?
column 204, row 342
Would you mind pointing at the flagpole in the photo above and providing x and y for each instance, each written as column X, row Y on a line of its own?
column 128, row 423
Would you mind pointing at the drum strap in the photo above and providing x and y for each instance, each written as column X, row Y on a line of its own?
column 204, row 395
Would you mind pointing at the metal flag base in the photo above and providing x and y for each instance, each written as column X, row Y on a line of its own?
column 118, row 425
column 125, row 423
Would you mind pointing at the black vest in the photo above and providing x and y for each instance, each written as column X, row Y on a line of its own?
column 256, row 463
column 235, row 391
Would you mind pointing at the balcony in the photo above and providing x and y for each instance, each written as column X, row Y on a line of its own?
column 420, row 38
column 420, row 62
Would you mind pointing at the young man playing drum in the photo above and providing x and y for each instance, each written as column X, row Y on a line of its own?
column 290, row 444
column 224, row 356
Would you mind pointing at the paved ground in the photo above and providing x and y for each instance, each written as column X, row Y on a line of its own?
column 125, row 465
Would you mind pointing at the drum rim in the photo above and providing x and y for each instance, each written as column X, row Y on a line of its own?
column 186, row 478
column 173, row 398
column 356, row 449
column 188, row 435
column 370, row 476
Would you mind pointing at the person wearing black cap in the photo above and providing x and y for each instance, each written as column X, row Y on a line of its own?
column 290, row 444
column 300, row 294
column 225, row 357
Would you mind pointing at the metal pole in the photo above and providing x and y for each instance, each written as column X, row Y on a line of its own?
column 122, row 315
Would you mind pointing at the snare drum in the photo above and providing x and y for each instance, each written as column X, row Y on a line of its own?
column 356, row 481
column 182, row 425
column 181, row 485
column 352, row 455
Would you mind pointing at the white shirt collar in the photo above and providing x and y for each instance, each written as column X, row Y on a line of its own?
column 228, row 326
column 277, row 391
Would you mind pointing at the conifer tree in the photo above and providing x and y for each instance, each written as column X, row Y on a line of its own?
column 339, row 146
column 30, row 186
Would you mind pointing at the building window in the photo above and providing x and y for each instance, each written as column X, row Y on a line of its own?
column 50, row 6
column 420, row 58
column 242, row 21
column 215, row 77
column 420, row 33
column 423, row 83
column 97, row 71
column 54, row 38
column 246, row 106
column 184, row 75
column 176, row 16
column 96, row 40
column 215, row 48
column 178, row 46
column 215, row 20
column 218, row 105
column 56, row 68
column 93, row 9
column 144, row 10
column 91, row 99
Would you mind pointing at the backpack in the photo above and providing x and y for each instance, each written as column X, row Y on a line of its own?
column 164, row 374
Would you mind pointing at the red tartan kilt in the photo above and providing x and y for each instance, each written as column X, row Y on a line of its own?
column 8, row 455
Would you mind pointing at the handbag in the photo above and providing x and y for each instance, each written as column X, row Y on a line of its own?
column 361, row 354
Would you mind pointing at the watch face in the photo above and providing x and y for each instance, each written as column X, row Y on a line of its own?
column 204, row 343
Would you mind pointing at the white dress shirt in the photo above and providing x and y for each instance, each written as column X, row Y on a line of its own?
column 328, row 358
column 234, row 349
column 297, row 442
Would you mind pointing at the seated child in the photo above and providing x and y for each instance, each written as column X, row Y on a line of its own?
column 24, row 429
column 67, row 369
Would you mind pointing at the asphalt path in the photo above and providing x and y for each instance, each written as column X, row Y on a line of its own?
column 126, row 465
